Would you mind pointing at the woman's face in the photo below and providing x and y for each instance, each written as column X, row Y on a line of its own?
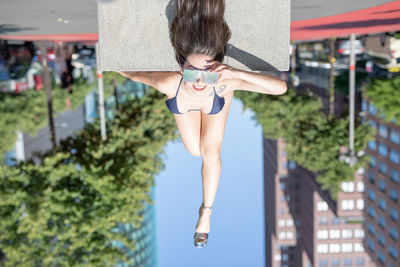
column 198, row 62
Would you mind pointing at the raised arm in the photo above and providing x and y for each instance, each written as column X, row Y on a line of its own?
column 160, row 80
column 250, row 81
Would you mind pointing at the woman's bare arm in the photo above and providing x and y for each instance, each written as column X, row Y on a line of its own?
column 163, row 81
column 250, row 81
column 259, row 82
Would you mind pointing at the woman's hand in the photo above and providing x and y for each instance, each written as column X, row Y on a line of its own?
column 225, row 71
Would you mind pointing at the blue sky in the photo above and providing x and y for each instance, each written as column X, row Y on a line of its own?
column 237, row 230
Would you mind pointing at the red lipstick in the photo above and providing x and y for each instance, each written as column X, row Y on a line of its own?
column 199, row 89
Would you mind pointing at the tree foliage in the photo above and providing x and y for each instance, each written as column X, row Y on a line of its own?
column 313, row 139
column 60, row 213
column 385, row 95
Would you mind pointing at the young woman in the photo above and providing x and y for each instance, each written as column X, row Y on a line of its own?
column 200, row 94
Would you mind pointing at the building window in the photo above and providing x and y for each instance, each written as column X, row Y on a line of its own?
column 372, row 145
column 347, row 186
column 347, row 262
column 371, row 245
column 371, row 194
column 393, row 233
column 322, row 206
column 371, row 177
column 289, row 235
column 394, row 176
column 348, row 204
column 289, row 222
column 394, row 156
column 395, row 136
column 284, row 165
column 382, row 203
column 285, row 257
column 394, row 195
column 381, row 239
column 382, row 222
column 347, row 247
column 335, row 220
column 382, row 150
column 360, row 204
column 282, row 235
column 292, row 165
column 334, row 234
column 371, row 228
column 322, row 248
column 383, row 132
column 360, row 187
column 371, row 109
column 323, row 263
column 382, row 185
column 282, row 211
column 322, row 234
column 373, row 161
column 393, row 252
column 277, row 257
column 360, row 261
column 371, row 211
column 381, row 256
column 334, row 248
column 358, row 247
column 394, row 214
column 347, row 233
column 335, row 262
column 322, row 220
column 382, row 167
column 359, row 233
column 281, row 223
column 282, row 186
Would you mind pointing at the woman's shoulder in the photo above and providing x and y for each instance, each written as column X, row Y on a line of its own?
column 169, row 82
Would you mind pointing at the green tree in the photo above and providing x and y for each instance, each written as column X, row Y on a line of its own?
column 385, row 95
column 313, row 139
column 60, row 213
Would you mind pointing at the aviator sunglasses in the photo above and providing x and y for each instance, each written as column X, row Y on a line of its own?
column 192, row 76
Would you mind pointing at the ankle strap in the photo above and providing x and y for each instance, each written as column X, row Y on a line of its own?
column 207, row 208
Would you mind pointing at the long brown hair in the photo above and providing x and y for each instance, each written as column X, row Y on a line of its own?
column 199, row 28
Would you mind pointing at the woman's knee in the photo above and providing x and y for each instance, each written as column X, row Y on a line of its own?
column 210, row 151
column 194, row 151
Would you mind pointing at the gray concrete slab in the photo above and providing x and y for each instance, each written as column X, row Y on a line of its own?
column 134, row 35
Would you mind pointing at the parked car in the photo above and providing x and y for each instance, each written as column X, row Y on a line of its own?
column 344, row 47
column 385, row 55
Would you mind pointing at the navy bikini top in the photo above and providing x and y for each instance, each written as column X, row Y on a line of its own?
column 218, row 103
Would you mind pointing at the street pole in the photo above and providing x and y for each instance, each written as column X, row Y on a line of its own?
column 352, row 75
column 331, row 78
column 47, row 87
column 101, row 98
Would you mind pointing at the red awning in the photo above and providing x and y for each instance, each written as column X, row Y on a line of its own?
column 378, row 19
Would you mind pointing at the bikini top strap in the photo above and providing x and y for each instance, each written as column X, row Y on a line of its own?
column 214, row 90
column 179, row 87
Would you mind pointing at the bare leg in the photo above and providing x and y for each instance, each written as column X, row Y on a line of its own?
column 212, row 134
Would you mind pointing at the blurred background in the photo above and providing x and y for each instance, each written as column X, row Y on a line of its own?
column 93, row 172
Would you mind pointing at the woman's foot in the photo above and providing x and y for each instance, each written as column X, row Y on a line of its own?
column 202, row 227
column 203, row 224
